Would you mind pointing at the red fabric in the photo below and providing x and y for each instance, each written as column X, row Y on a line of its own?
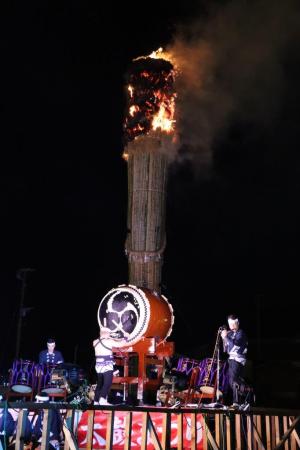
column 99, row 432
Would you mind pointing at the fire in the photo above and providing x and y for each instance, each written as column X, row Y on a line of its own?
column 164, row 119
column 151, row 95
column 160, row 54
column 133, row 110
column 130, row 90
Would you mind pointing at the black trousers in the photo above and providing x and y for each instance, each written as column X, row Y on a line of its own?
column 104, row 382
column 235, row 371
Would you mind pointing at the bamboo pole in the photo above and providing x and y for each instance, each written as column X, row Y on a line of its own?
column 146, row 236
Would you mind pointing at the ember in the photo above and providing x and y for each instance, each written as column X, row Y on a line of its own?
column 151, row 97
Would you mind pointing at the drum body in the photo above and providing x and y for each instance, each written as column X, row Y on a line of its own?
column 186, row 365
column 207, row 380
column 131, row 313
column 73, row 373
column 51, row 379
column 23, row 376
column 58, row 375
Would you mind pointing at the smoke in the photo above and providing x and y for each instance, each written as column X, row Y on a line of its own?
column 231, row 68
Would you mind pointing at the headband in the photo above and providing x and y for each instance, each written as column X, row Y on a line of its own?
column 233, row 321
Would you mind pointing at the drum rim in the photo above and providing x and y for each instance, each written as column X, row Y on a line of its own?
column 209, row 390
column 22, row 391
column 53, row 390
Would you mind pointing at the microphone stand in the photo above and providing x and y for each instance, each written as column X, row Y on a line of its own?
column 217, row 403
column 218, row 368
column 217, row 393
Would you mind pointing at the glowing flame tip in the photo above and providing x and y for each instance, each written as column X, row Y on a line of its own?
column 158, row 54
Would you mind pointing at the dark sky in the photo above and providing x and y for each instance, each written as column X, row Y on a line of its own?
column 232, row 228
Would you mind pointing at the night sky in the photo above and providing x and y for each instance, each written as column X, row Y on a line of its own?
column 233, row 240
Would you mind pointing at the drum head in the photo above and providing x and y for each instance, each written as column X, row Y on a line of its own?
column 22, row 388
column 131, row 312
column 53, row 390
column 209, row 390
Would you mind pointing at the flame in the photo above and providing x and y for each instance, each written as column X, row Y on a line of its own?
column 151, row 95
column 157, row 53
column 133, row 109
column 160, row 53
column 130, row 90
column 164, row 119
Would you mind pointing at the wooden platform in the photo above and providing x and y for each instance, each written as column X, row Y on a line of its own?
column 122, row 427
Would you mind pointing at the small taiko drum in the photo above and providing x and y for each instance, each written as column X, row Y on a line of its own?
column 23, row 376
column 132, row 312
column 50, row 379
column 186, row 365
column 207, row 381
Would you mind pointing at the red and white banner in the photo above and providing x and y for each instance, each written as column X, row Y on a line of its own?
column 100, row 423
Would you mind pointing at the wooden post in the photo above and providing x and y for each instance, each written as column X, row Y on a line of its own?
column 207, row 435
column 228, row 433
column 166, row 431
column 46, row 429
column 180, row 432
column 110, row 430
column 273, row 434
column 21, row 424
column 268, row 432
column 144, row 431
column 69, row 431
column 217, row 430
column 249, row 433
column 128, row 426
column 193, row 431
column 90, row 428
column 238, row 440
column 257, row 433
column 285, row 427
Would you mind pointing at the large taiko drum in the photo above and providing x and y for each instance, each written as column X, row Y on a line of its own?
column 132, row 312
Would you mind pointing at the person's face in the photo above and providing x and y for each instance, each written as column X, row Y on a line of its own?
column 51, row 347
column 233, row 325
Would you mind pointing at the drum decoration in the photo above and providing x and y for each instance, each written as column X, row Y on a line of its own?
column 23, row 376
column 186, row 365
column 131, row 312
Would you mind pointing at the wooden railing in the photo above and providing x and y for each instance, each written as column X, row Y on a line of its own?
column 255, row 429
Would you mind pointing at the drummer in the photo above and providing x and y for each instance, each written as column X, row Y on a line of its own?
column 50, row 356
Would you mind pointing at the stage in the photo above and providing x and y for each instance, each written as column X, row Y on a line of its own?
column 123, row 427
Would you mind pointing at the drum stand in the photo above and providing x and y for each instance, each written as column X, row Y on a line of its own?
column 147, row 353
